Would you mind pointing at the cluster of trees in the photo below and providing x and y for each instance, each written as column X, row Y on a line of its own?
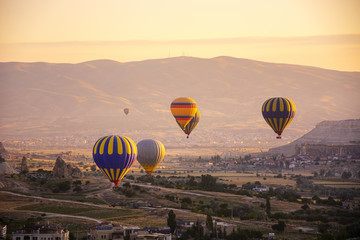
column 59, row 186
column 218, row 208
column 204, row 182
column 321, row 215
column 331, row 173
column 306, row 183
column 130, row 190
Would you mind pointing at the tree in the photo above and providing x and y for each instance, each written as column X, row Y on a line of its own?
column 316, row 198
column 186, row 200
column 191, row 181
column 77, row 182
column 268, row 207
column 323, row 227
column 280, row 226
column 208, row 181
column 305, row 207
column 209, row 223
column 77, row 189
column 171, row 221
column 346, row 175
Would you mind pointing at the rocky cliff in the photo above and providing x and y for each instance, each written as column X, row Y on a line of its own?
column 326, row 132
column 2, row 149
column 5, row 167
column 63, row 170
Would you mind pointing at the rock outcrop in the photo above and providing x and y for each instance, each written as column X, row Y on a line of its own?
column 63, row 170
column 326, row 132
column 5, row 167
column 23, row 166
column 2, row 148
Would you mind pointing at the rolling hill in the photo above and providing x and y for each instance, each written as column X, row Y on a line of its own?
column 44, row 99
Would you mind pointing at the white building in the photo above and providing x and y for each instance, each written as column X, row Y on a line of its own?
column 152, row 236
column 110, row 231
column 41, row 232
column 3, row 229
column 260, row 189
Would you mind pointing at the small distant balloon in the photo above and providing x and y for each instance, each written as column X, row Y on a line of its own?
column 114, row 155
column 278, row 113
column 126, row 111
column 150, row 154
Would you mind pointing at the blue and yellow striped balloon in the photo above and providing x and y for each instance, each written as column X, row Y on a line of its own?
column 114, row 155
column 278, row 113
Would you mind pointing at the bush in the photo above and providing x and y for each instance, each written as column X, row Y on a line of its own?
column 61, row 186
column 77, row 182
column 64, row 186
column 323, row 227
column 77, row 189
column 280, row 226
column 346, row 175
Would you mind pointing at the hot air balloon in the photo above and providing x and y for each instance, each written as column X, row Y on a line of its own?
column 183, row 110
column 126, row 111
column 192, row 124
column 114, row 155
column 278, row 113
column 150, row 154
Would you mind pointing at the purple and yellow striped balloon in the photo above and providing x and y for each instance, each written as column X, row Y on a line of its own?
column 278, row 113
column 114, row 155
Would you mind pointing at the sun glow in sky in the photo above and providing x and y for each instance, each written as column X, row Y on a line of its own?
column 323, row 33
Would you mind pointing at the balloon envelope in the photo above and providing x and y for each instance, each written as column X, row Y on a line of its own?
column 114, row 155
column 183, row 110
column 126, row 111
column 150, row 154
column 278, row 113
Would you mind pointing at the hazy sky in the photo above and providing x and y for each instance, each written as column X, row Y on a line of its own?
column 323, row 33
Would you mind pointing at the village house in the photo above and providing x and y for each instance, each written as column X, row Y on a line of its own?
column 50, row 231
column 110, row 231
column 351, row 204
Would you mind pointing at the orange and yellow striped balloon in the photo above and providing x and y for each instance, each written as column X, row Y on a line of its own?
column 183, row 110
column 278, row 113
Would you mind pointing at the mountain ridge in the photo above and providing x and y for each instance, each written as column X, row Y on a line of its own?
column 88, row 97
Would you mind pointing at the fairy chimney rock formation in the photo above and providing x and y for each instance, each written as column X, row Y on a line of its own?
column 23, row 166
column 63, row 170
